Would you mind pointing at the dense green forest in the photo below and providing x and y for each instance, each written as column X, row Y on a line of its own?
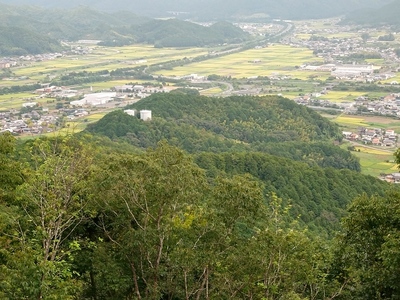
column 123, row 212
column 82, row 217
column 286, row 146
column 265, row 124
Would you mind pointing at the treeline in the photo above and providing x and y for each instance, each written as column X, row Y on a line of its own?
column 19, row 88
column 84, row 221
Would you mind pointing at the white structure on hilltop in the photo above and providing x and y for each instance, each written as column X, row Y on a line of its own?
column 95, row 99
column 130, row 112
column 145, row 115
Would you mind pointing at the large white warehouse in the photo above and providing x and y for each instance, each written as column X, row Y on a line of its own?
column 95, row 99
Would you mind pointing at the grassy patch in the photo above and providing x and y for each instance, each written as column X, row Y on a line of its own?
column 211, row 91
column 350, row 121
column 342, row 96
column 270, row 61
column 374, row 161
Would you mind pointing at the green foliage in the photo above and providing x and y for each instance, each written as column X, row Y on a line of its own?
column 171, row 234
column 11, row 174
column 368, row 256
column 46, row 210
column 94, row 219
column 265, row 124
column 186, row 91
column 319, row 196
column 388, row 37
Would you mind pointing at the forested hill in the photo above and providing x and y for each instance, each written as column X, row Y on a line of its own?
column 45, row 26
column 19, row 41
column 318, row 196
column 286, row 146
column 195, row 123
column 241, row 119
column 177, row 33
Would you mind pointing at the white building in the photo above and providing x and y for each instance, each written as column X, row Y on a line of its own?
column 95, row 99
column 130, row 112
column 145, row 115
column 353, row 70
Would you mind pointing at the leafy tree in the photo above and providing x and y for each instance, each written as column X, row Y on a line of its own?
column 368, row 247
column 51, row 206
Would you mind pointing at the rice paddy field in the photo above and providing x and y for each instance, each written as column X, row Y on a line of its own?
column 352, row 123
column 275, row 60
column 106, row 58
column 342, row 96
column 374, row 161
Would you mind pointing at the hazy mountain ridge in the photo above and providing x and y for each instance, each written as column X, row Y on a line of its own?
column 388, row 14
column 50, row 25
column 218, row 9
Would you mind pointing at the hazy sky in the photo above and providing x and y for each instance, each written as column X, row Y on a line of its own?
column 219, row 8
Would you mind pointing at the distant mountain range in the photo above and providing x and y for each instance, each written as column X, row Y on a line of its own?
column 31, row 29
column 219, row 9
column 387, row 14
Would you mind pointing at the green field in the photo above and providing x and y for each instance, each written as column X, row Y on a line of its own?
column 10, row 101
column 341, row 96
column 374, row 162
column 211, row 91
column 354, row 122
column 276, row 60
column 105, row 58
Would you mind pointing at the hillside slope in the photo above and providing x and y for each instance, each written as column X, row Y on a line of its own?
column 286, row 146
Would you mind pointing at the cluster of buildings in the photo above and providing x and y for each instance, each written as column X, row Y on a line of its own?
column 28, row 123
column 375, row 136
column 386, row 106
column 392, row 178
